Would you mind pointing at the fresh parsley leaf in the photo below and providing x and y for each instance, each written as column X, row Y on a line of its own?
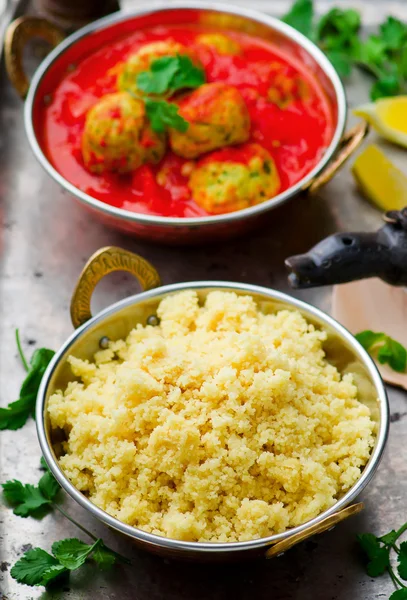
column 402, row 560
column 72, row 553
column 400, row 594
column 164, row 114
column 16, row 414
column 300, row 16
column 36, row 567
column 377, row 554
column 169, row 74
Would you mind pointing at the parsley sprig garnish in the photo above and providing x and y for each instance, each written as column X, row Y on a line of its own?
column 166, row 76
column 378, row 552
column 16, row 414
column 37, row 567
column 383, row 54
column 388, row 350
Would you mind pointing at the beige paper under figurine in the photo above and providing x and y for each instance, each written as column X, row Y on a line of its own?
column 370, row 273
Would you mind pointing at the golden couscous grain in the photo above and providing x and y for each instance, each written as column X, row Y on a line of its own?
column 220, row 424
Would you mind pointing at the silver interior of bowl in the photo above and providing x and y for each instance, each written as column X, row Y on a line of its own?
column 261, row 25
column 116, row 321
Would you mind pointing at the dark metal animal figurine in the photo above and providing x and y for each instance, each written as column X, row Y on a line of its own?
column 344, row 257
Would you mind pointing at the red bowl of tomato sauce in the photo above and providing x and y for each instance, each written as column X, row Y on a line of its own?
column 291, row 95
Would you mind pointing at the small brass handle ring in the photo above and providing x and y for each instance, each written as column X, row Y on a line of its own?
column 101, row 263
column 18, row 34
column 348, row 144
column 325, row 524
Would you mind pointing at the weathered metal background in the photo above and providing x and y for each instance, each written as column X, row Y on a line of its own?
column 45, row 240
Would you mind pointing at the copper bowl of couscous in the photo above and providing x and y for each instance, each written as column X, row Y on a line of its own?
column 210, row 420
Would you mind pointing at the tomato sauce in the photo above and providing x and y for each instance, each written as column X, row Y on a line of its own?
column 295, row 131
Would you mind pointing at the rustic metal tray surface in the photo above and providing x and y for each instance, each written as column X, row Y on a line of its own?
column 45, row 240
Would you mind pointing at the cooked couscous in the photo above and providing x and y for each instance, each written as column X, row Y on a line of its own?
column 219, row 424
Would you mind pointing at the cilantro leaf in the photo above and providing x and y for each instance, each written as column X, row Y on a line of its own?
column 27, row 498
column 157, row 80
column 337, row 33
column 390, row 351
column 38, row 364
column 394, row 354
column 341, row 62
column 338, row 21
column 48, row 486
column 72, row 553
column 389, row 538
column 403, row 63
column 300, row 16
column 400, row 594
column 188, row 75
column 377, row 554
column 16, row 414
column 36, row 567
column 369, row 338
column 164, row 114
column 13, row 491
column 169, row 74
column 402, row 560
column 104, row 558
column 373, row 51
column 387, row 85
column 394, row 33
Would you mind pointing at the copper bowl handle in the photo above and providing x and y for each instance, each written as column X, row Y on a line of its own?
column 101, row 263
column 18, row 34
column 350, row 141
column 324, row 525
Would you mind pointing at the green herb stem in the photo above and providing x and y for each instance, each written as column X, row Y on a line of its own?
column 395, row 579
column 20, row 352
column 400, row 531
column 65, row 514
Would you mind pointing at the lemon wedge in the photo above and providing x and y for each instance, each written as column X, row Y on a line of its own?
column 388, row 116
column 380, row 180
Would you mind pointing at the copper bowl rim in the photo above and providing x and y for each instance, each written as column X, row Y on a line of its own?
column 215, row 547
column 192, row 223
